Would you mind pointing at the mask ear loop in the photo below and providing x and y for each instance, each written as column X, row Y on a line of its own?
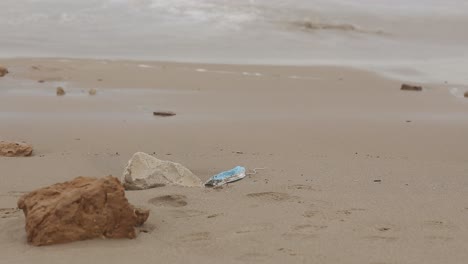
column 254, row 171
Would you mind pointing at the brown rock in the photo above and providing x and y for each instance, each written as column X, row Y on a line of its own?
column 3, row 71
column 15, row 149
column 83, row 208
column 164, row 113
column 60, row 91
column 407, row 87
column 92, row 91
column 466, row 94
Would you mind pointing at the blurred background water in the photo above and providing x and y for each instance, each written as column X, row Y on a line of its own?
column 424, row 40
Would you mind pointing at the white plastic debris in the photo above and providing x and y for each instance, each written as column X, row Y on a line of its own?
column 224, row 177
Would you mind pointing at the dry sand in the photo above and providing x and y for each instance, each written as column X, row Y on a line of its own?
column 357, row 170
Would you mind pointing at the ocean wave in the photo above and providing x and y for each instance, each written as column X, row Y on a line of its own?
column 321, row 26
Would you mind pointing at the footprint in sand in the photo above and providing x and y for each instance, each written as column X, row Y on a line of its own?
column 439, row 228
column 381, row 238
column 214, row 215
column 321, row 204
column 271, row 196
column 185, row 213
column 304, row 231
column 194, row 237
column 9, row 212
column 14, row 194
column 304, row 187
column 439, row 225
column 172, row 200
column 146, row 228
column 349, row 211
column 255, row 228
column 380, row 232
column 287, row 251
column 252, row 257
column 313, row 213
column 439, row 238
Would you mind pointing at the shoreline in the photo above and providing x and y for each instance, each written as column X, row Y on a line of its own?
column 402, row 71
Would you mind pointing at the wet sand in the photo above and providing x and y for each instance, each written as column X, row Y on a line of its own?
column 357, row 171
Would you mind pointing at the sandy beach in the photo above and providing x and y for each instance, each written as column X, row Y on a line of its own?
column 356, row 170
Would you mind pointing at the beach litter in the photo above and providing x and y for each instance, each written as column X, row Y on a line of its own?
column 225, row 177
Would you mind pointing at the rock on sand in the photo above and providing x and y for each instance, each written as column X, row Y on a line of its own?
column 15, row 149
column 407, row 87
column 466, row 94
column 60, row 91
column 144, row 172
column 3, row 71
column 83, row 208
column 92, row 91
column 164, row 113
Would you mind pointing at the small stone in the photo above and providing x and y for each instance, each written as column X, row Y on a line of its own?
column 164, row 113
column 3, row 71
column 466, row 95
column 383, row 229
column 41, row 81
column 377, row 180
column 407, row 87
column 60, row 91
column 15, row 149
column 92, row 91
column 84, row 208
column 145, row 171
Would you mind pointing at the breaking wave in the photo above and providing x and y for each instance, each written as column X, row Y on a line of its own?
column 337, row 27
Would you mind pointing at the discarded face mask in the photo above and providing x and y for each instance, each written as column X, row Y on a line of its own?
column 224, row 177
